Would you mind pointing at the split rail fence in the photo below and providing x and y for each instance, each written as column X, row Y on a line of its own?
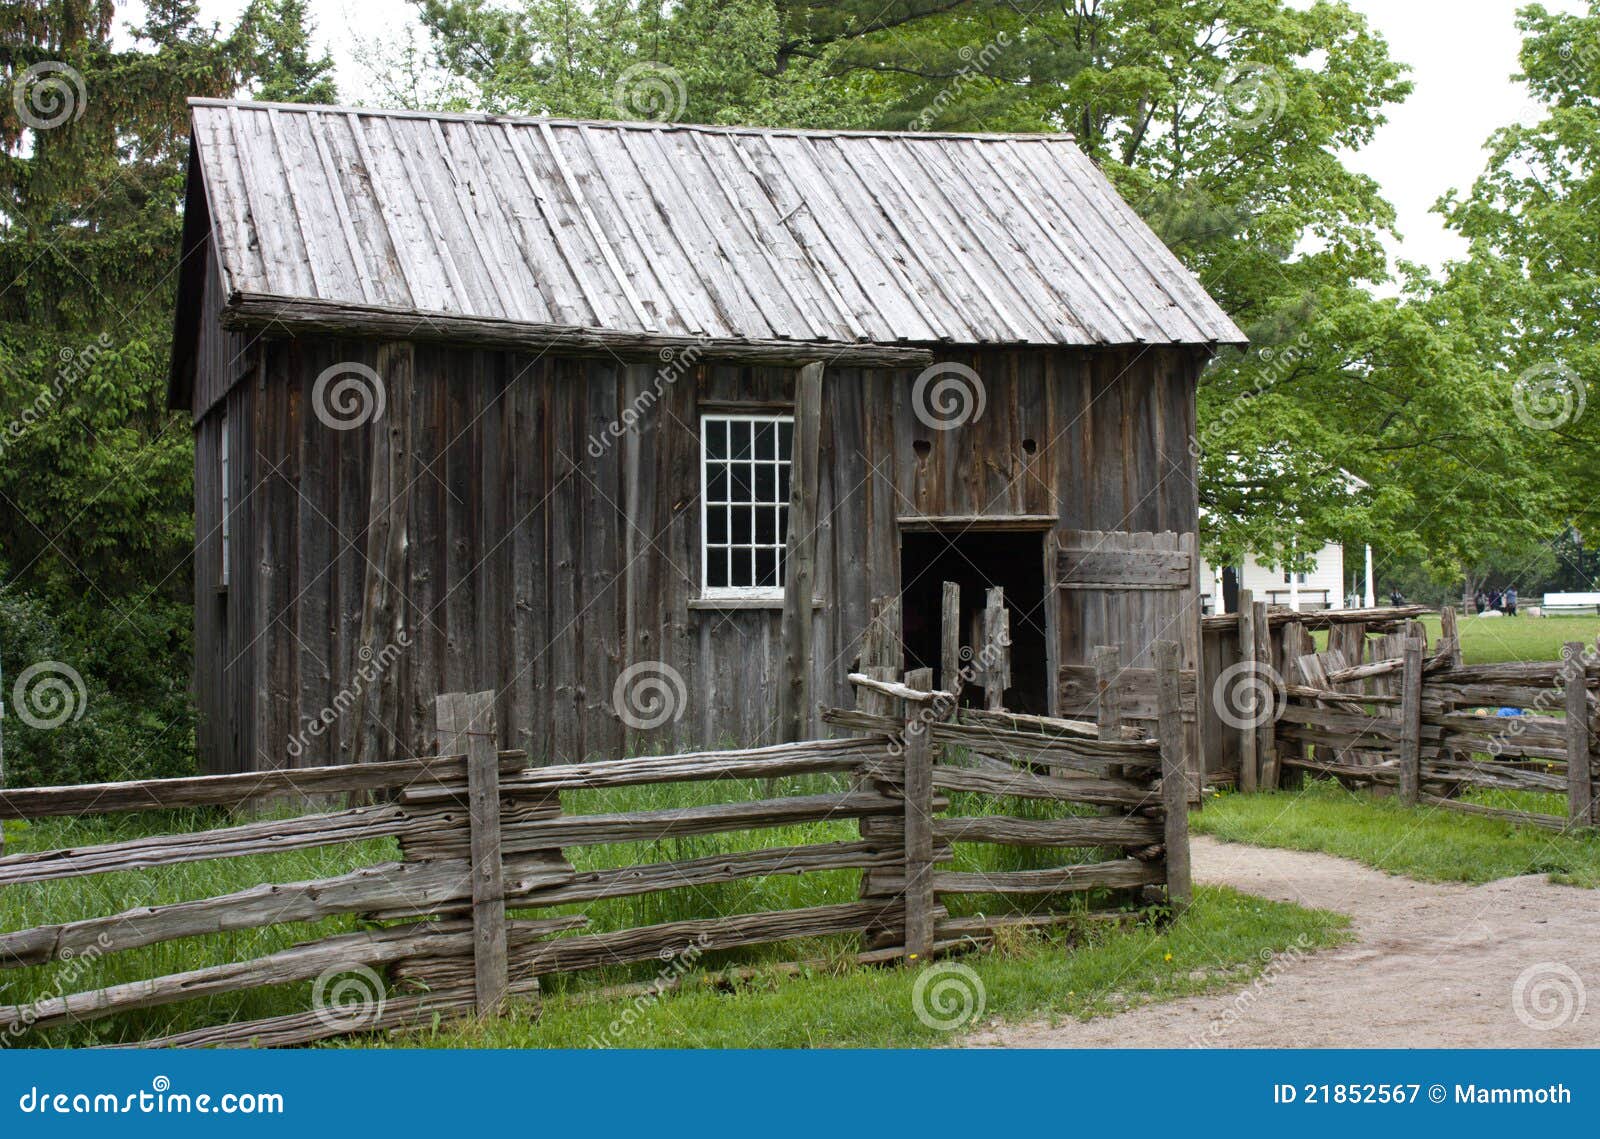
column 481, row 835
column 1378, row 707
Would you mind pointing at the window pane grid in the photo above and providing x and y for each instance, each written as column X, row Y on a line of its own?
column 745, row 505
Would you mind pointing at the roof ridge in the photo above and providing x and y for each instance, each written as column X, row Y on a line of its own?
column 488, row 117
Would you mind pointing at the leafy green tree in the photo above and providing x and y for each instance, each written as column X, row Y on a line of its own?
column 96, row 500
column 275, row 39
column 1532, row 277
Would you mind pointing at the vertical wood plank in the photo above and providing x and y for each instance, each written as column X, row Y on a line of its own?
column 800, row 559
column 1411, row 720
column 1249, row 772
column 1107, row 692
column 465, row 722
column 1581, row 805
column 918, row 822
column 996, row 639
column 383, row 605
column 1174, row 772
column 1266, row 745
column 950, row 641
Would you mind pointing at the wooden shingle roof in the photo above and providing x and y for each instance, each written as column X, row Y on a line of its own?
column 817, row 236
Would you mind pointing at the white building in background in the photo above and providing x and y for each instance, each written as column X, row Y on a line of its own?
column 1325, row 585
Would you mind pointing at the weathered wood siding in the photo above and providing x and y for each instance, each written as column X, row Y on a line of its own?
column 543, row 570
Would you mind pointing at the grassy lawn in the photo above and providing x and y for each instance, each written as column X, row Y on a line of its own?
column 1427, row 843
column 1223, row 941
column 1085, row 968
column 1486, row 640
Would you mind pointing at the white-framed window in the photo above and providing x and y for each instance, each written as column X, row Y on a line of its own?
column 744, row 504
column 1286, row 578
column 227, row 507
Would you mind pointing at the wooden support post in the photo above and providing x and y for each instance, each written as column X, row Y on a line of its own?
column 996, row 642
column 950, row 642
column 1267, row 729
column 383, row 605
column 465, row 723
column 1450, row 636
column 1174, row 771
column 918, row 741
column 1249, row 770
column 799, row 572
column 1411, row 720
column 1581, row 804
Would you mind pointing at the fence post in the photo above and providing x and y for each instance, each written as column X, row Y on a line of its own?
column 1581, row 804
column 465, row 723
column 996, row 638
column 1411, row 720
column 1107, row 692
column 794, row 709
column 1249, row 771
column 1267, row 729
column 1174, row 772
column 918, row 821
column 950, row 643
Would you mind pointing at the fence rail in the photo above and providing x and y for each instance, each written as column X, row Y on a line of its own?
column 1375, row 706
column 481, row 835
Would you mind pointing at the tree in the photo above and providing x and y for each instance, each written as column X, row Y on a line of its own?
column 1532, row 275
column 275, row 39
column 96, row 501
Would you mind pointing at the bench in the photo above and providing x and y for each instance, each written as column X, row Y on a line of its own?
column 1558, row 603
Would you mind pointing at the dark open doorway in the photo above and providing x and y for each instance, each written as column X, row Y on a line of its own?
column 978, row 561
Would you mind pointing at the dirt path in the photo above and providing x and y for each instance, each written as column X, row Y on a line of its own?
column 1435, row 966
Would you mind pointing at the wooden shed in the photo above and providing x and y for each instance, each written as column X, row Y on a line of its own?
column 524, row 405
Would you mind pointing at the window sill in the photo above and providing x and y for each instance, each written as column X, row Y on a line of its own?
column 715, row 603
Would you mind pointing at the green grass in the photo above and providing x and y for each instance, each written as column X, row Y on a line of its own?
column 1494, row 639
column 1432, row 844
column 1223, row 941
column 1083, row 969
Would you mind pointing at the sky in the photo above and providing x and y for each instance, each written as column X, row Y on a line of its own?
column 1463, row 54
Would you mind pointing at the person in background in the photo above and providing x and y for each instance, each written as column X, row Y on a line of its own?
column 1482, row 601
column 1396, row 598
column 1494, row 599
column 1511, row 601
